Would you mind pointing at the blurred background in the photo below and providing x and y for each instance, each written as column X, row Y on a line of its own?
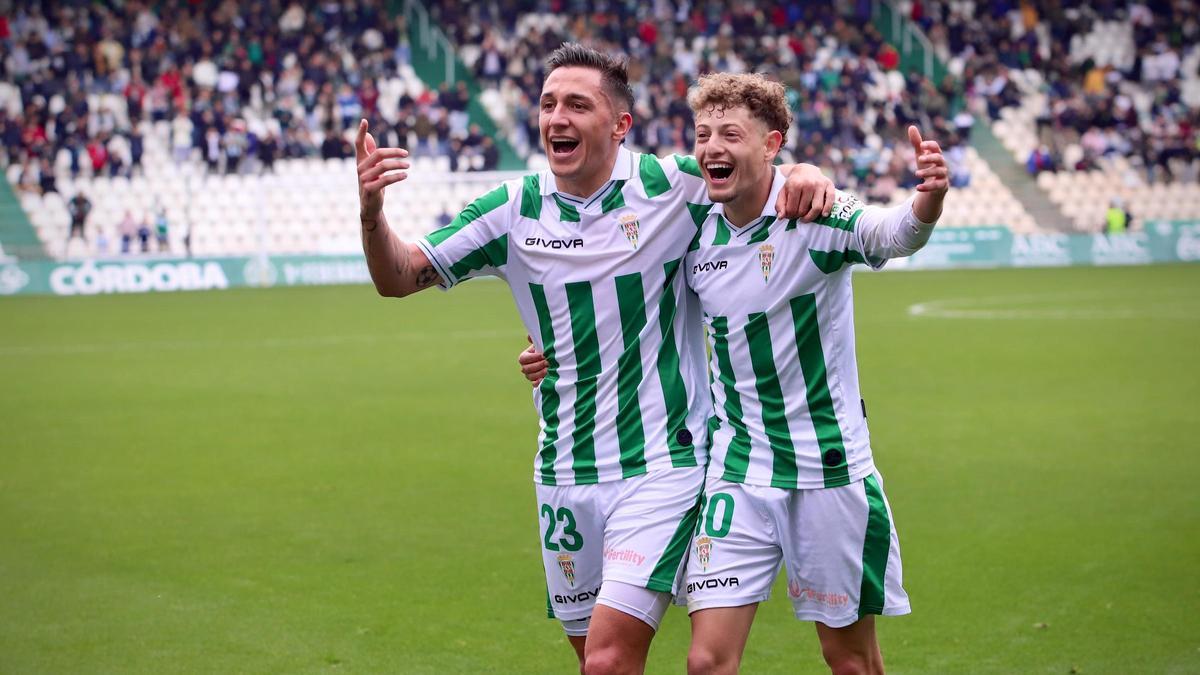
column 217, row 129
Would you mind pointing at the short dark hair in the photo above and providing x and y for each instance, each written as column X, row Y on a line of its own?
column 613, row 75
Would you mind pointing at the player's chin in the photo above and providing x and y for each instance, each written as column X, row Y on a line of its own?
column 720, row 194
column 561, row 166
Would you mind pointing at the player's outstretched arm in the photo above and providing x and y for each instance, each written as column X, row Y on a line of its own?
column 903, row 230
column 398, row 268
column 934, row 174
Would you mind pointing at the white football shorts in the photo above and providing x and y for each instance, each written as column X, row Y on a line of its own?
column 635, row 531
column 838, row 544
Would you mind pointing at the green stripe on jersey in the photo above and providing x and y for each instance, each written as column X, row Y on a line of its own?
column 666, row 570
column 764, row 231
column 688, row 164
column 587, row 368
column 631, row 436
column 567, row 212
column 654, row 179
column 673, row 388
column 723, row 232
column 832, row 261
column 492, row 254
column 791, row 224
column 531, row 197
column 699, row 212
column 546, row 388
column 876, row 546
column 820, row 402
column 488, row 202
column 737, row 457
column 770, row 396
column 615, row 199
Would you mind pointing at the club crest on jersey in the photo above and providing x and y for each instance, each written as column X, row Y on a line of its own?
column 704, row 552
column 629, row 225
column 766, row 256
column 566, row 563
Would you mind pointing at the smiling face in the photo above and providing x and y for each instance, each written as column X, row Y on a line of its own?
column 581, row 130
column 735, row 151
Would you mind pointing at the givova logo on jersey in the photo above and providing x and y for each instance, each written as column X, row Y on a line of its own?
column 566, row 563
column 766, row 258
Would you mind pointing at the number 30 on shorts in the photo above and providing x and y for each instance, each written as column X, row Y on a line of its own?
column 717, row 515
column 570, row 540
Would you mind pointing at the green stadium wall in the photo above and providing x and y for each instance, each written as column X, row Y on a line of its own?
column 949, row 248
column 17, row 235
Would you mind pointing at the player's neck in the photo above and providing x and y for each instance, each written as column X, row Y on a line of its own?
column 585, row 186
column 748, row 205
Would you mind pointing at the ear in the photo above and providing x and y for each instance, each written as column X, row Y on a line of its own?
column 774, row 144
column 622, row 126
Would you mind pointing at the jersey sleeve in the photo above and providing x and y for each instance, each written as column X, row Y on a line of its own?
column 475, row 243
column 839, row 242
column 891, row 232
column 684, row 171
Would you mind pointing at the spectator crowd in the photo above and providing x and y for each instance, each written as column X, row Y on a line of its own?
column 237, row 86
column 850, row 103
column 1092, row 95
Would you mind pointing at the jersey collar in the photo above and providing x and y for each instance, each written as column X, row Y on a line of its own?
column 622, row 171
column 768, row 214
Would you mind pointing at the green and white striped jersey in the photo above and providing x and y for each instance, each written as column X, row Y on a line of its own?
column 600, row 287
column 779, row 312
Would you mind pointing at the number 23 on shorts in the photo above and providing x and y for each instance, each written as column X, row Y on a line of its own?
column 570, row 539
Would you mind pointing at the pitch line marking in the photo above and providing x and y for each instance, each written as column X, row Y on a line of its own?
column 985, row 308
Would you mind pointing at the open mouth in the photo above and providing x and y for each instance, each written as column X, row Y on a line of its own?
column 719, row 172
column 563, row 146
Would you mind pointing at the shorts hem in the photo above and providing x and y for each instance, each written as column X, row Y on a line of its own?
column 846, row 620
column 860, row 473
column 582, row 615
column 538, row 479
column 717, row 603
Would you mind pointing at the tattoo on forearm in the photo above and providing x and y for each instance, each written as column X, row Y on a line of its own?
column 369, row 224
column 427, row 277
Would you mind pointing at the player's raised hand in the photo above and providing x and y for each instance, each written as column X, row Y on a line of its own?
column 534, row 365
column 931, row 164
column 808, row 194
column 377, row 168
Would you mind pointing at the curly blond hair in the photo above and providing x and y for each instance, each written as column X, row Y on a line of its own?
column 766, row 100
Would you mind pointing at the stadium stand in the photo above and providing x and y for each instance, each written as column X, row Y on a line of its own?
column 1101, row 101
column 143, row 113
column 234, row 122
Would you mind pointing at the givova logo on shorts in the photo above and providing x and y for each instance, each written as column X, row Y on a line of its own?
column 730, row 582
column 578, row 597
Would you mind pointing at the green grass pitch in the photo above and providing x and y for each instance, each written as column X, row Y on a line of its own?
column 319, row 480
